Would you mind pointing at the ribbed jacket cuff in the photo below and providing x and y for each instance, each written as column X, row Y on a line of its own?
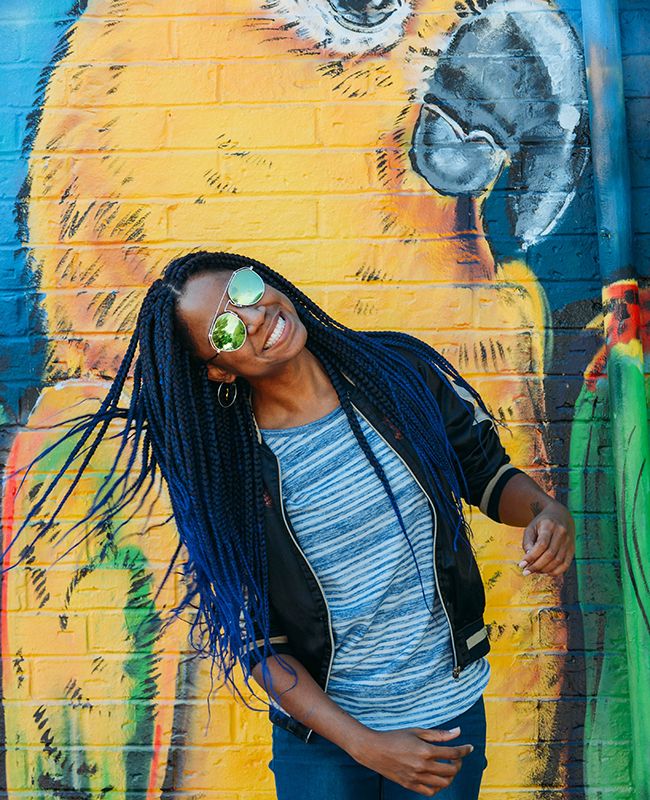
column 489, row 504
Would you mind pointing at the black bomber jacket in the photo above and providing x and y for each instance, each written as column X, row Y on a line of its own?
column 300, row 618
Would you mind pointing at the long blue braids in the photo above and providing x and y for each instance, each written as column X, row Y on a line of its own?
column 209, row 456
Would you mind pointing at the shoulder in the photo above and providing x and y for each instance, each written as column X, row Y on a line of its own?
column 422, row 357
column 453, row 394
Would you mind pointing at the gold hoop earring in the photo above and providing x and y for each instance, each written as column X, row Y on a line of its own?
column 229, row 401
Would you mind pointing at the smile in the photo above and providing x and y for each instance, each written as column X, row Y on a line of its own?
column 275, row 333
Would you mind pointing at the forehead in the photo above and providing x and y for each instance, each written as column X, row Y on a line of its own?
column 198, row 304
column 204, row 289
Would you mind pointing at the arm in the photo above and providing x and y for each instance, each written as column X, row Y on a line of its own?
column 502, row 491
column 549, row 538
column 408, row 756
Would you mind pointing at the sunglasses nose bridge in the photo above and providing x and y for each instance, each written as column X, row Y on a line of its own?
column 253, row 316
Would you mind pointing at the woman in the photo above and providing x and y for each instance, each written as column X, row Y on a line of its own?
column 316, row 476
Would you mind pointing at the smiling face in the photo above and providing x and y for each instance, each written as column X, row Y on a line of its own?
column 275, row 333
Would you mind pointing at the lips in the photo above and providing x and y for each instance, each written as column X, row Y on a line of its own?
column 276, row 332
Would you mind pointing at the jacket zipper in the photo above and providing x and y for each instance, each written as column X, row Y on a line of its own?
column 329, row 617
column 457, row 669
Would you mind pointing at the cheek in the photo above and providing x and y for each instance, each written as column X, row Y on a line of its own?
column 299, row 335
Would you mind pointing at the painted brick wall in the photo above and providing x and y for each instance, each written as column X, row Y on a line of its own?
column 133, row 131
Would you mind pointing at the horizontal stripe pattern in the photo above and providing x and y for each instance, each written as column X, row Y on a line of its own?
column 393, row 662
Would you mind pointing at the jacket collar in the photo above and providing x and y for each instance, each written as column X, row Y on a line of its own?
column 387, row 429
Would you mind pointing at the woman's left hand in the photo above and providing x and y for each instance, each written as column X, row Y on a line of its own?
column 549, row 541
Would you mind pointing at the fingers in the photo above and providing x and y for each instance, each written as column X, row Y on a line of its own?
column 529, row 538
column 433, row 763
column 547, row 558
column 438, row 780
column 437, row 734
column 552, row 552
column 451, row 753
column 427, row 791
column 443, row 769
column 541, row 535
column 565, row 563
column 444, row 774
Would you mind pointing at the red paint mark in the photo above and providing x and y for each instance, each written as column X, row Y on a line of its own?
column 8, row 507
column 627, row 318
column 622, row 312
column 596, row 369
column 152, row 789
column 644, row 302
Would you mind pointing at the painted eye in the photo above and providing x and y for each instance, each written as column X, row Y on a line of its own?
column 344, row 27
column 363, row 14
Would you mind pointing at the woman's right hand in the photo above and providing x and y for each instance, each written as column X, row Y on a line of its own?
column 415, row 758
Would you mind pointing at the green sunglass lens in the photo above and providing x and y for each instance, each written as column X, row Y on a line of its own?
column 246, row 288
column 229, row 332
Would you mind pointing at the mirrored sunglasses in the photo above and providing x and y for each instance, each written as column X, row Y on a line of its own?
column 228, row 330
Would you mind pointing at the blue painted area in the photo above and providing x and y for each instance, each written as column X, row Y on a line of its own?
column 608, row 86
column 570, row 248
column 29, row 31
column 635, row 31
column 560, row 252
column 635, row 75
column 560, row 249
column 635, row 45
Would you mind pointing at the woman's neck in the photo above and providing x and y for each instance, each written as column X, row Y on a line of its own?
column 298, row 393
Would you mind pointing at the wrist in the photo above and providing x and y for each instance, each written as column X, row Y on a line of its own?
column 551, row 504
column 522, row 499
column 543, row 502
column 359, row 741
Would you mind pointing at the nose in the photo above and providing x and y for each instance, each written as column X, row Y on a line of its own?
column 253, row 317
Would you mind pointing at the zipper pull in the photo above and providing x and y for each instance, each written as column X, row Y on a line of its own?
column 456, row 672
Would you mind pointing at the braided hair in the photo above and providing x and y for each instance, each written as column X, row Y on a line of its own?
column 209, row 456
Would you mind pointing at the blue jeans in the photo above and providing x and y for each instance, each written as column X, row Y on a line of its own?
column 320, row 770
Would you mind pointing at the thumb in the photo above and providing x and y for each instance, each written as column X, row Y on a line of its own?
column 437, row 734
column 530, row 537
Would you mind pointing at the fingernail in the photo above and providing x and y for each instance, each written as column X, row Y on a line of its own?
column 526, row 572
column 471, row 748
column 454, row 730
column 523, row 564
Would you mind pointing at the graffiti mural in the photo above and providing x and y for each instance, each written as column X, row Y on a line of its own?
column 411, row 165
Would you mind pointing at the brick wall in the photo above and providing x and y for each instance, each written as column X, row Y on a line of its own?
column 133, row 131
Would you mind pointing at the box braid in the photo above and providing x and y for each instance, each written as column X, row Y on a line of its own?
column 209, row 456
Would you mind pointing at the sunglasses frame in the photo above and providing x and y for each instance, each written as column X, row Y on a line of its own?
column 218, row 314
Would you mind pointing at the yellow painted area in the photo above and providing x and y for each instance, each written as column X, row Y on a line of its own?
column 632, row 349
column 195, row 127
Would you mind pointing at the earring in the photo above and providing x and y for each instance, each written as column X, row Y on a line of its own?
column 228, row 402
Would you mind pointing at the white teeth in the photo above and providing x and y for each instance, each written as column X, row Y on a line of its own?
column 277, row 332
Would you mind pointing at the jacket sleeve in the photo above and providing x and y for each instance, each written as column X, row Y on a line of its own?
column 474, row 437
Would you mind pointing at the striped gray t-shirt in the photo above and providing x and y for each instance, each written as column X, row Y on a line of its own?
column 392, row 660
